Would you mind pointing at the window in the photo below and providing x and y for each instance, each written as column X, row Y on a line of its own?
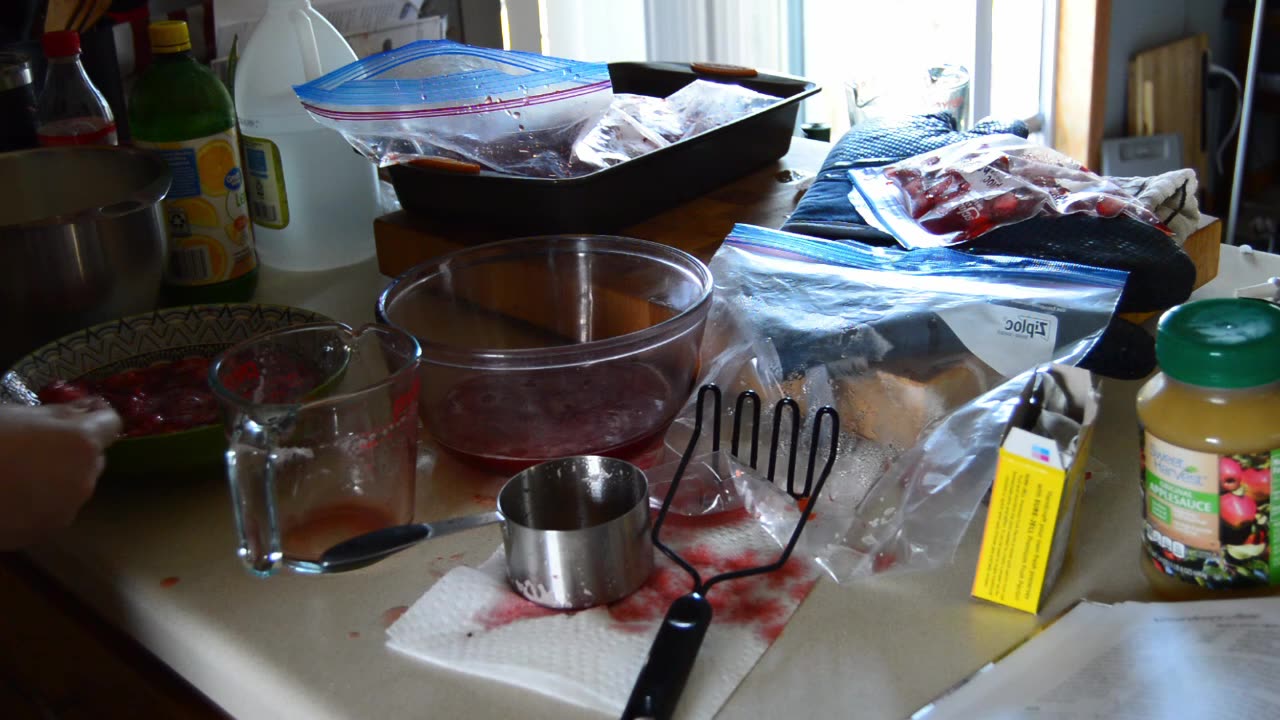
column 1006, row 45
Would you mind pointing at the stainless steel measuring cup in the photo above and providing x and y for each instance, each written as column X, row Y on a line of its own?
column 575, row 531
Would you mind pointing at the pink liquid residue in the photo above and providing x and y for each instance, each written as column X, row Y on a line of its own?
column 324, row 527
column 512, row 608
column 509, row 421
column 392, row 614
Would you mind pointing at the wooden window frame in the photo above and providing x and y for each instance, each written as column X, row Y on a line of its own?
column 1080, row 78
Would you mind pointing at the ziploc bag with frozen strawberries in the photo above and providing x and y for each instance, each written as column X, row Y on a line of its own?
column 922, row 353
column 509, row 111
column 963, row 190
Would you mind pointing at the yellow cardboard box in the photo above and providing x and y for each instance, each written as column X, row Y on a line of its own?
column 1034, row 499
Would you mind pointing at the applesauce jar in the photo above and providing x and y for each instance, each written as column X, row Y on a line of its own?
column 1209, row 426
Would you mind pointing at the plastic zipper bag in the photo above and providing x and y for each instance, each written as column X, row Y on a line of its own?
column 964, row 190
column 638, row 124
column 508, row 111
column 923, row 354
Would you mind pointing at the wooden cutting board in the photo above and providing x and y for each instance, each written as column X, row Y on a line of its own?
column 1166, row 95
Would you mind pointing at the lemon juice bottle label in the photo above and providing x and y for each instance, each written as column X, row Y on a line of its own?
column 269, row 203
column 210, row 238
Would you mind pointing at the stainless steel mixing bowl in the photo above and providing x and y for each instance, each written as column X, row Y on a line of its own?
column 82, row 240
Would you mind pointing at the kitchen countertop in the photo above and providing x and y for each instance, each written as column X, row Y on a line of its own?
column 158, row 561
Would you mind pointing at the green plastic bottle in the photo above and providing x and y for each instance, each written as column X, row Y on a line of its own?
column 181, row 110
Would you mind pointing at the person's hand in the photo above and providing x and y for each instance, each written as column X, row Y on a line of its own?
column 50, row 460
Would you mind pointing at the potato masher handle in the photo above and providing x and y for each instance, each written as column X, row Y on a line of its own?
column 671, row 657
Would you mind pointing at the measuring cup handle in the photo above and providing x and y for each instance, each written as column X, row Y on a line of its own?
column 671, row 657
column 251, row 473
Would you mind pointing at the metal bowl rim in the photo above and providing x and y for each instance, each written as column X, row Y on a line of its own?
column 146, row 196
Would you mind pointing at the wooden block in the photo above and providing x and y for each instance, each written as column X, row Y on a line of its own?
column 1203, row 246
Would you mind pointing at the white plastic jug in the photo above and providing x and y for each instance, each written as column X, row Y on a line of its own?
column 311, row 196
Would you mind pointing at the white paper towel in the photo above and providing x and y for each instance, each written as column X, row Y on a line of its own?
column 471, row 621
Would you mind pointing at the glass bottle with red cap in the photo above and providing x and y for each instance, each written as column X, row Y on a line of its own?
column 71, row 110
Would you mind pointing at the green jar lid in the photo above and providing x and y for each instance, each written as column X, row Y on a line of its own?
column 1221, row 343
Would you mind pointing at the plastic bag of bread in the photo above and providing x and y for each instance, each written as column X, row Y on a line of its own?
column 918, row 351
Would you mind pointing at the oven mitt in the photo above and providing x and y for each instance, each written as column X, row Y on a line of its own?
column 1171, row 196
column 1160, row 274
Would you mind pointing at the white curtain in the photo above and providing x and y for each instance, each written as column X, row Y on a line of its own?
column 739, row 32
column 594, row 30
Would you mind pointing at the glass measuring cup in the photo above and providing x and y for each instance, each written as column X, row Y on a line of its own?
column 322, row 429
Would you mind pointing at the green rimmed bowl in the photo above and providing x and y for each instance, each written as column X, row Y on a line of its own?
column 141, row 340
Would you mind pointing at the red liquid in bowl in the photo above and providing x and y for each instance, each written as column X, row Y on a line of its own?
column 165, row 397
column 508, row 421
column 173, row 395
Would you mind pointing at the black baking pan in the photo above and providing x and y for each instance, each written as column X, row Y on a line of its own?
column 626, row 193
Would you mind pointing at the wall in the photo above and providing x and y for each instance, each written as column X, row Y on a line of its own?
column 593, row 30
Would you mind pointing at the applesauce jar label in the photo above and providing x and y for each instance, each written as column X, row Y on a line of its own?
column 1207, row 516
column 206, row 210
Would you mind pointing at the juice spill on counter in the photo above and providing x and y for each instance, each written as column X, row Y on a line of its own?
column 1210, row 451
column 71, row 111
column 181, row 111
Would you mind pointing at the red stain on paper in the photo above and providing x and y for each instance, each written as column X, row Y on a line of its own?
column 390, row 615
column 638, row 611
column 762, row 602
column 512, row 608
column 794, row 571
column 772, row 631
column 169, row 582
